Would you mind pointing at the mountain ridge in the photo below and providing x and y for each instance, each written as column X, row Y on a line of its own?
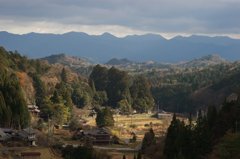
column 101, row 48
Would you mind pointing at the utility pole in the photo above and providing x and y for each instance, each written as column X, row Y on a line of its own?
column 236, row 125
column 177, row 108
column 48, row 125
column 131, row 119
column 161, row 105
column 158, row 106
column 117, row 119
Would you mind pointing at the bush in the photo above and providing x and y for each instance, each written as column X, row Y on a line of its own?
column 146, row 125
column 57, row 146
column 133, row 126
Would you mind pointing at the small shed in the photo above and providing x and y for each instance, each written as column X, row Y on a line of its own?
column 30, row 155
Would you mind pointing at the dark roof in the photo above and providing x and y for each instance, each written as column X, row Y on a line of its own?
column 22, row 134
column 2, row 134
column 30, row 153
column 31, row 131
column 8, row 130
column 97, row 132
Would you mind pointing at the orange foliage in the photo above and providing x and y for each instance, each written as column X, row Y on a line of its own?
column 16, row 60
column 22, row 79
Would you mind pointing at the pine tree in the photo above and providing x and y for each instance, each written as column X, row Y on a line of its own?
column 68, row 99
column 64, row 75
column 124, row 157
column 2, row 108
column 148, row 140
column 104, row 117
column 55, row 97
column 171, row 148
column 139, row 155
column 134, row 156
column 202, row 136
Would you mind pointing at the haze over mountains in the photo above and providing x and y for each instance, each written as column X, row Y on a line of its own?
column 142, row 48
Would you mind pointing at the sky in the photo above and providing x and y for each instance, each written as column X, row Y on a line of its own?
column 168, row 18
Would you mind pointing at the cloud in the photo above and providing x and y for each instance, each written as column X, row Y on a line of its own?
column 211, row 17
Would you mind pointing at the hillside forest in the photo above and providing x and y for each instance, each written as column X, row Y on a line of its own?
column 58, row 90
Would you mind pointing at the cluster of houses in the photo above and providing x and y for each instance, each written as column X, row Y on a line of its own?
column 9, row 134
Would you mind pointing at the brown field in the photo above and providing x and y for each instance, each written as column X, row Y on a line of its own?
column 45, row 153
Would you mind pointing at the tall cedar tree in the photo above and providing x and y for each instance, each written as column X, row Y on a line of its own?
column 118, row 86
column 141, row 94
column 148, row 140
column 139, row 155
column 55, row 98
column 104, row 118
column 202, row 136
column 64, row 75
column 171, row 148
column 67, row 97
column 185, row 139
column 99, row 76
column 39, row 87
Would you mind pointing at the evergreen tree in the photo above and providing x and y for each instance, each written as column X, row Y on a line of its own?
column 148, row 140
column 104, row 118
column 55, row 97
column 202, row 136
column 64, row 75
column 171, row 149
column 139, row 155
column 99, row 76
column 124, row 157
column 142, row 97
column 68, row 99
column 134, row 156
column 38, row 67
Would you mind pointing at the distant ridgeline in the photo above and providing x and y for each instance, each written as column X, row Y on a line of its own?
column 116, row 61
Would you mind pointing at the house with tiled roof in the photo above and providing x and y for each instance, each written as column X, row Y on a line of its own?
column 98, row 136
column 4, row 137
column 28, row 134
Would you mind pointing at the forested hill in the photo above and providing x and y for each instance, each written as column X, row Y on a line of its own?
column 194, row 88
column 103, row 47
column 116, row 61
column 54, row 88
column 198, row 62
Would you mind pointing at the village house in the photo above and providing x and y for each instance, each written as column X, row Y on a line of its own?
column 162, row 115
column 4, row 137
column 28, row 134
column 33, row 109
column 98, row 136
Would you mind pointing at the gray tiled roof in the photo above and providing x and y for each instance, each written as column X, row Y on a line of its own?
column 2, row 134
column 22, row 134
column 8, row 130
column 31, row 131
column 96, row 132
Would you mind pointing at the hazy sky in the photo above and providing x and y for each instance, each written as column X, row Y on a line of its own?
column 122, row 17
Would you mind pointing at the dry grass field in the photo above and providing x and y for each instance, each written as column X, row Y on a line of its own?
column 45, row 153
column 123, row 130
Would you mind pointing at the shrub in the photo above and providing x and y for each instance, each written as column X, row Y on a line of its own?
column 146, row 125
column 133, row 126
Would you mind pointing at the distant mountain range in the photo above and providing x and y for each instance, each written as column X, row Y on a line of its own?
column 102, row 48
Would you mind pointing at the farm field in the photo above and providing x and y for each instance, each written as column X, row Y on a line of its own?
column 45, row 153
